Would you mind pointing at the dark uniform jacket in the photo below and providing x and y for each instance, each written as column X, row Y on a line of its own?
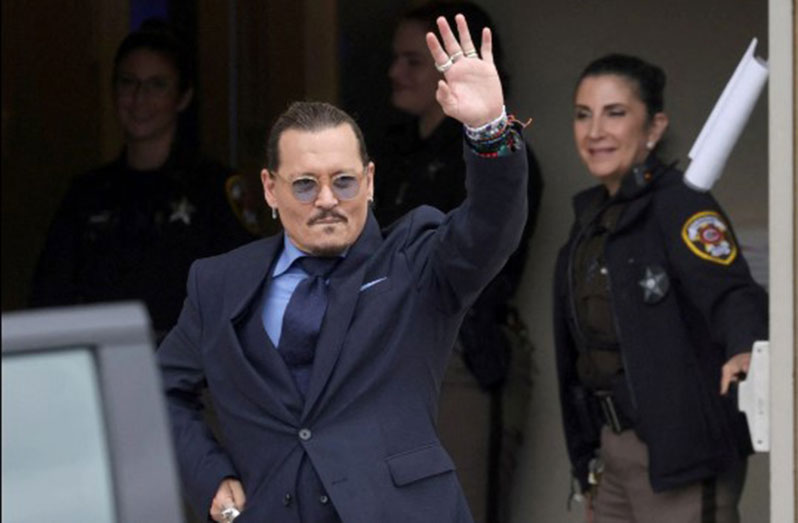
column 122, row 234
column 684, row 303
column 412, row 171
column 367, row 424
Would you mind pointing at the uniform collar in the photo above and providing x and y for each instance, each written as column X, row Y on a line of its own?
column 180, row 164
column 637, row 181
column 640, row 178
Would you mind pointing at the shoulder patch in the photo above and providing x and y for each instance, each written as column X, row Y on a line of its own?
column 245, row 204
column 709, row 238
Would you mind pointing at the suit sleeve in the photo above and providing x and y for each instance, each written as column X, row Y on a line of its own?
column 711, row 271
column 502, row 288
column 203, row 462
column 474, row 241
column 486, row 347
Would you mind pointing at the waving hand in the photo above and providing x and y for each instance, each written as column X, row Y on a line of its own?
column 471, row 91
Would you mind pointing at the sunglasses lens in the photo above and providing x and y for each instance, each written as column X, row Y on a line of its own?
column 305, row 189
column 345, row 186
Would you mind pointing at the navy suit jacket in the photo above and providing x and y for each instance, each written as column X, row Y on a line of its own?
column 367, row 424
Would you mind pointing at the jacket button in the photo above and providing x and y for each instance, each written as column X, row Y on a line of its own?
column 305, row 434
column 287, row 499
column 323, row 499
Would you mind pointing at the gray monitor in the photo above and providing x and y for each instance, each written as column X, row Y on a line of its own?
column 85, row 434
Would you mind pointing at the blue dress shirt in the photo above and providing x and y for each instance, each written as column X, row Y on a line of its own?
column 285, row 277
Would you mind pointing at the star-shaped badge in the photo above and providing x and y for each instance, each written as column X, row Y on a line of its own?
column 655, row 284
column 182, row 211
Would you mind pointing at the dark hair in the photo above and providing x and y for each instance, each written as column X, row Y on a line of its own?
column 310, row 117
column 477, row 18
column 156, row 35
column 648, row 78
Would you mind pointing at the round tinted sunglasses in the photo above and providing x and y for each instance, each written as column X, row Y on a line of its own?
column 345, row 186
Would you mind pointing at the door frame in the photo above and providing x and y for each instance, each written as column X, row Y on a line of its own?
column 782, row 227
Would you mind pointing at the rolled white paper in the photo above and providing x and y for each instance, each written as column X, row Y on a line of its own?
column 713, row 146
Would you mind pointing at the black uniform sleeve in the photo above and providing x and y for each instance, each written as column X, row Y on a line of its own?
column 712, row 272
column 54, row 277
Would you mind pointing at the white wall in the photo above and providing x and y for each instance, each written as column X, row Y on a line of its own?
column 698, row 43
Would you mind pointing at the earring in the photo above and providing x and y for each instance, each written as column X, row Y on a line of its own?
column 274, row 213
column 650, row 145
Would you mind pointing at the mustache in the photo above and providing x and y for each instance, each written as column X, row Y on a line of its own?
column 326, row 215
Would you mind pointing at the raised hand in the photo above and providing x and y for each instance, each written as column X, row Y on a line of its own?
column 471, row 91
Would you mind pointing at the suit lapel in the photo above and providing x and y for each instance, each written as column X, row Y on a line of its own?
column 344, row 291
column 250, row 359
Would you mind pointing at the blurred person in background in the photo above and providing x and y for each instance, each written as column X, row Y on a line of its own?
column 130, row 229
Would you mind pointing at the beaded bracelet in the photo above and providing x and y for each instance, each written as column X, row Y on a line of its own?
column 489, row 130
column 500, row 137
column 510, row 142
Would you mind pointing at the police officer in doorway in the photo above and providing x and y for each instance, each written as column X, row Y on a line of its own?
column 655, row 316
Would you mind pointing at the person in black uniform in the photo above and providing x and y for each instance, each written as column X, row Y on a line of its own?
column 655, row 315
column 130, row 229
column 420, row 162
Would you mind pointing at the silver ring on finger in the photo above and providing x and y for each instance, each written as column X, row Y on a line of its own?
column 442, row 68
column 229, row 514
column 472, row 54
column 456, row 56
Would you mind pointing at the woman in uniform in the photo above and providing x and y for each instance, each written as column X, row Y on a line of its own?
column 655, row 316
column 130, row 229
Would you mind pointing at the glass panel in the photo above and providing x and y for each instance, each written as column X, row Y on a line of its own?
column 55, row 456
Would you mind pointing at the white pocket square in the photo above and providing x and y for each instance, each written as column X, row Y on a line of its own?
column 372, row 283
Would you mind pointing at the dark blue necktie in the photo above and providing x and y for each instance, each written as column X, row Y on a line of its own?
column 302, row 319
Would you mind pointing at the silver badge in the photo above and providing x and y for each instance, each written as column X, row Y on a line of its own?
column 655, row 284
column 182, row 211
